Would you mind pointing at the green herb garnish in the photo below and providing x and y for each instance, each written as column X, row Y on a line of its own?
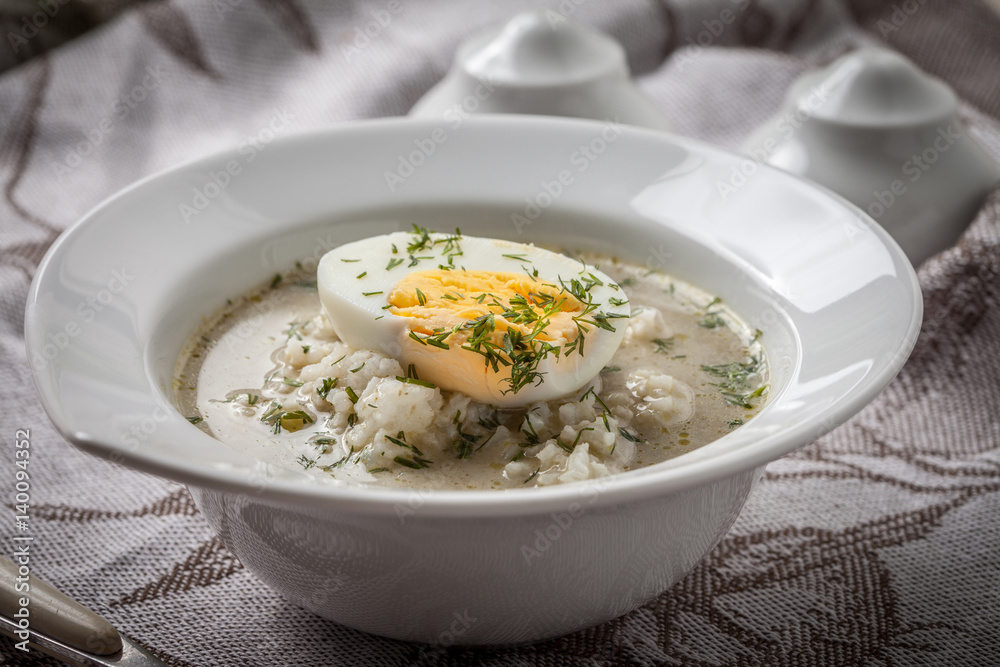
column 629, row 436
column 735, row 386
column 416, row 463
column 422, row 383
column 328, row 384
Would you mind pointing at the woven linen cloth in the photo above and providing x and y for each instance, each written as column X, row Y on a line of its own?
column 877, row 545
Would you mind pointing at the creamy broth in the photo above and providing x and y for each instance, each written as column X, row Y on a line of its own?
column 268, row 376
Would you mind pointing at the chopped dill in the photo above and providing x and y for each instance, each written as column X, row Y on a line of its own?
column 530, row 436
column 277, row 418
column 416, row 463
column 465, row 443
column 422, row 383
column 580, row 434
column 294, row 330
column 743, row 399
column 664, row 345
column 352, row 458
column 295, row 416
column 421, row 240
column 328, row 384
column 735, row 386
column 272, row 416
column 491, row 422
column 416, row 260
column 322, row 441
column 629, row 436
column 597, row 398
column 434, row 340
column 339, row 463
column 400, row 441
column 711, row 321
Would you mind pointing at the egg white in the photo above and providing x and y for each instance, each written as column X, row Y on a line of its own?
column 356, row 279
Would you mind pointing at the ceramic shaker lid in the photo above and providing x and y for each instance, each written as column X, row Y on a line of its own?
column 877, row 87
column 541, row 63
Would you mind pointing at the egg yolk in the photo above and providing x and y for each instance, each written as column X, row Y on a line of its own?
column 458, row 301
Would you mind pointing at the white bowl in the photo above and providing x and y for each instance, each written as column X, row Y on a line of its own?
column 118, row 294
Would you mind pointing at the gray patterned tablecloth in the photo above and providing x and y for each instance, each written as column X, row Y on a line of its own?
column 877, row 545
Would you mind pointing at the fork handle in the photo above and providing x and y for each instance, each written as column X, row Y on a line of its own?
column 53, row 613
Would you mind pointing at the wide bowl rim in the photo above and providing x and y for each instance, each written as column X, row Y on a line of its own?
column 616, row 490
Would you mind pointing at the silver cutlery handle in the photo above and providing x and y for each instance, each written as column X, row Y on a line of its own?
column 59, row 626
column 53, row 613
column 35, row 612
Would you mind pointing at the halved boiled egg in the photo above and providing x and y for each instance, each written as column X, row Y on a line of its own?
column 505, row 323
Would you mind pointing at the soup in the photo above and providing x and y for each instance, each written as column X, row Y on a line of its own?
column 269, row 375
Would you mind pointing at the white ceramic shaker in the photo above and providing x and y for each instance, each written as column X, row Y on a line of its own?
column 874, row 128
